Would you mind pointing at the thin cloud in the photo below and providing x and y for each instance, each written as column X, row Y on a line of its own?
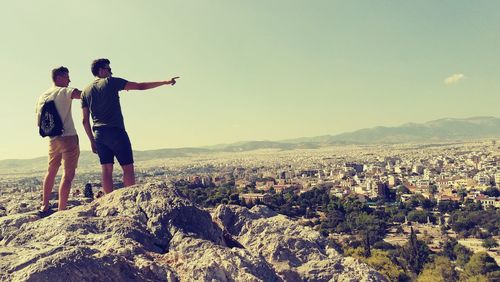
column 454, row 78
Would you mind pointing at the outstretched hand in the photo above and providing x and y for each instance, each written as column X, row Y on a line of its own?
column 172, row 80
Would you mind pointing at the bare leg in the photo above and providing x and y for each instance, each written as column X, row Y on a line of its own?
column 48, row 184
column 128, row 175
column 64, row 188
column 107, row 178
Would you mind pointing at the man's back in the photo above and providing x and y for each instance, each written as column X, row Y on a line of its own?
column 101, row 97
column 62, row 98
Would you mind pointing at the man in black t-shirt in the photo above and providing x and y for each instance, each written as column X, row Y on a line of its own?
column 107, row 136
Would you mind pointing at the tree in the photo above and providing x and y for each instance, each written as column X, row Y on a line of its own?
column 471, row 206
column 428, row 204
column 414, row 202
column 369, row 227
column 462, row 193
column 479, row 278
column 448, row 206
column 490, row 243
column 401, row 189
column 367, row 244
column 352, row 204
column 472, row 217
column 462, row 221
column 418, row 216
column 415, row 253
column 492, row 192
column 381, row 261
column 440, row 270
column 334, row 218
column 462, row 254
column 448, row 249
column 356, row 252
column 480, row 264
column 309, row 213
column 87, row 192
column 433, row 189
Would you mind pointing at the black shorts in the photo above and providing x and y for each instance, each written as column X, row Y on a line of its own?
column 113, row 142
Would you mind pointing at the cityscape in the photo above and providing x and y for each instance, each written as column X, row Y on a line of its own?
column 447, row 193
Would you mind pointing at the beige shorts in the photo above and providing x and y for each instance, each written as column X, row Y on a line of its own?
column 65, row 148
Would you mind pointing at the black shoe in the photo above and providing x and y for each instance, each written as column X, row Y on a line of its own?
column 46, row 213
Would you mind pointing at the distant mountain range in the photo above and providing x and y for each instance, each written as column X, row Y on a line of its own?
column 447, row 129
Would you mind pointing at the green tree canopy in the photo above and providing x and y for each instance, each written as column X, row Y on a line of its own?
column 415, row 253
column 381, row 261
column 440, row 270
column 462, row 254
column 490, row 243
column 492, row 192
column 479, row 264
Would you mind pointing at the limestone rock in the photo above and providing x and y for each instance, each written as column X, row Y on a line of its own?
column 296, row 252
column 20, row 207
column 11, row 223
column 200, row 260
column 151, row 233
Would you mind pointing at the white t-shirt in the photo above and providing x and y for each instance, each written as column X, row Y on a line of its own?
column 62, row 99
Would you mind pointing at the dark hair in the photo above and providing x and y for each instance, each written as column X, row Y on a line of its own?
column 59, row 71
column 97, row 64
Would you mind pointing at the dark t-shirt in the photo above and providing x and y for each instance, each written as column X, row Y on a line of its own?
column 101, row 97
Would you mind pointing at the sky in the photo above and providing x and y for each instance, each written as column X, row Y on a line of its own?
column 252, row 70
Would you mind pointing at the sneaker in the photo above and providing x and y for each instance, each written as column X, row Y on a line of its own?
column 46, row 213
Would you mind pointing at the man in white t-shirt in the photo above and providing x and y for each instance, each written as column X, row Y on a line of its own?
column 65, row 147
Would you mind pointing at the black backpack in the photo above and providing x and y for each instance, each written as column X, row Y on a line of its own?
column 50, row 123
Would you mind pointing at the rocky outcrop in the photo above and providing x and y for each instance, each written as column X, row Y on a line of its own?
column 151, row 233
column 15, row 207
column 295, row 252
column 10, row 224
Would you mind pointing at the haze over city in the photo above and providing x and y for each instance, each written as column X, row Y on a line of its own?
column 254, row 70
